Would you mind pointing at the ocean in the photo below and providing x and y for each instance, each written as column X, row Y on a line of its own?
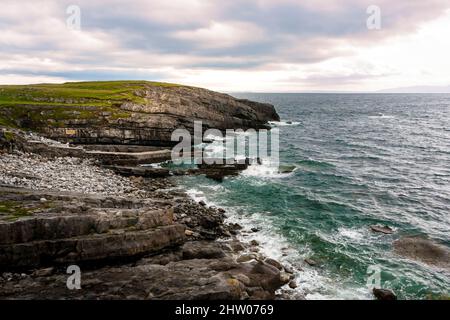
column 360, row 159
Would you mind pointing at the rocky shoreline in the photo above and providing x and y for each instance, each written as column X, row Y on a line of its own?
column 134, row 237
column 73, row 192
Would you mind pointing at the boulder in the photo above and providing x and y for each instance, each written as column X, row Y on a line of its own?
column 237, row 246
column 218, row 171
column 384, row 294
column 274, row 263
column 288, row 269
column 292, row 284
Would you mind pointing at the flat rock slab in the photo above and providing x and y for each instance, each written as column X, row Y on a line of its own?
column 218, row 171
column 69, row 227
column 96, row 247
column 124, row 158
column 136, row 155
column 146, row 172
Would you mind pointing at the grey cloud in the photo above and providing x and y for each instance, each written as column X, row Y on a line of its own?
column 286, row 25
column 294, row 33
column 92, row 74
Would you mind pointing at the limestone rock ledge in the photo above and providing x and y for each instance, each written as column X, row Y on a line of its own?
column 125, row 112
column 44, row 229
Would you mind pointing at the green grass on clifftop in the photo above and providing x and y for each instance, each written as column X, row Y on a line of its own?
column 60, row 102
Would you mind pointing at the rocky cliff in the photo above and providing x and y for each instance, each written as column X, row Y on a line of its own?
column 124, row 112
column 132, row 232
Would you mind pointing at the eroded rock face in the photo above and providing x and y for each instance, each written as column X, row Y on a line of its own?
column 163, row 110
column 423, row 250
column 76, row 228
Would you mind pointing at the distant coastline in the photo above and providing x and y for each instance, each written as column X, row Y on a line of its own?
column 412, row 90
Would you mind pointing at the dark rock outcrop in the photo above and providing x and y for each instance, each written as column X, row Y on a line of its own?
column 217, row 169
column 381, row 229
column 207, row 223
column 384, row 294
column 265, row 109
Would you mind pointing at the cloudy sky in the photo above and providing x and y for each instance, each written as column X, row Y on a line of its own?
column 234, row 45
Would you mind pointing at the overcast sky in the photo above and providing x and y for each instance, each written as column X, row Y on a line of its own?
column 234, row 45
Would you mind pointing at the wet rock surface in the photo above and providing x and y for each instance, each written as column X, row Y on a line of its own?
column 217, row 169
column 384, row 294
column 381, row 229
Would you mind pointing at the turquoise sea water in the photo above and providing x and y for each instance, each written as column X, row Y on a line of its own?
column 360, row 159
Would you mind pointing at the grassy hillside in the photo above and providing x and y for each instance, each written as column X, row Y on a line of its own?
column 40, row 102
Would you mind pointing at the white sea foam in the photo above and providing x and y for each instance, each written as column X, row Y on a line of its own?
column 263, row 171
column 312, row 282
column 152, row 165
column 381, row 116
column 352, row 234
column 344, row 235
column 215, row 149
column 196, row 194
column 266, row 169
column 284, row 123
column 214, row 138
